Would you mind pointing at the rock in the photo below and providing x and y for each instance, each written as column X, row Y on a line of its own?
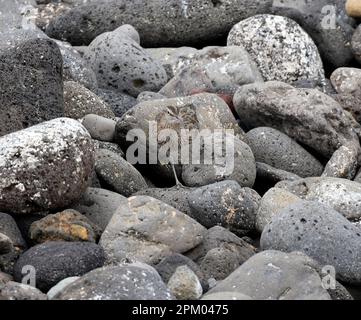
column 100, row 128
column 346, row 80
column 185, row 285
column 12, row 243
column 110, row 146
column 55, row 260
column 187, row 23
column 123, row 282
column 218, row 237
column 274, row 275
column 344, row 162
column 356, row 44
column 68, row 225
column 353, row 8
column 272, row 203
column 16, row 14
column 147, row 230
column 129, row 31
column 226, row 296
column 220, row 262
column 31, row 85
column 321, row 233
column 58, row 288
column 50, row 166
column 236, row 163
column 176, row 197
column 99, row 205
column 9, row 228
column 326, row 22
column 6, row 245
column 306, row 115
column 350, row 103
column 167, row 267
column 340, row 194
column 122, row 65
column 347, row 83
column 75, row 68
column 276, row 149
column 117, row 173
column 18, row 291
column 225, row 204
column 173, row 59
column 282, row 50
column 119, row 102
column 202, row 112
column 216, row 70
column 13, row 37
column 267, row 173
column 79, row 101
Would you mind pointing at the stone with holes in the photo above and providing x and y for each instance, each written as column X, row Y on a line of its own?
column 320, row 232
column 121, row 64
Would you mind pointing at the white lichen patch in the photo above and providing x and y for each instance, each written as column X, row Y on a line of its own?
column 35, row 163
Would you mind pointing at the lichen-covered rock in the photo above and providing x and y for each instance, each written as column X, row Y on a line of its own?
column 147, row 230
column 340, row 194
column 79, row 101
column 346, row 80
column 44, row 167
column 121, row 64
column 68, row 225
column 31, row 88
column 306, row 115
column 185, row 285
column 216, row 70
column 326, row 22
column 274, row 148
column 123, row 282
column 282, row 50
column 344, row 162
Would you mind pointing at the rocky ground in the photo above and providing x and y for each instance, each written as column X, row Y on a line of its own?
column 79, row 220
